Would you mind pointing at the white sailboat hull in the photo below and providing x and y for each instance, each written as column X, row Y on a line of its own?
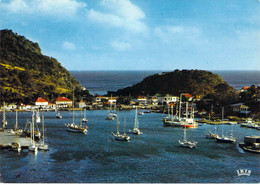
column 188, row 144
column 43, row 147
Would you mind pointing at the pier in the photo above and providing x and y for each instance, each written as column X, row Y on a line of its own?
column 6, row 140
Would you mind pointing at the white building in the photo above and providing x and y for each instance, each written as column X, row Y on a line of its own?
column 168, row 99
column 63, row 102
column 41, row 102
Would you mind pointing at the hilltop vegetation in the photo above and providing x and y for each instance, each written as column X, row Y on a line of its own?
column 26, row 73
column 199, row 83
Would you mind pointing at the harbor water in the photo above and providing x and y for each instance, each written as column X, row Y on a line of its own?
column 153, row 157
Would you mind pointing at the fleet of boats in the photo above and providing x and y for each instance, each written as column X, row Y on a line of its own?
column 176, row 121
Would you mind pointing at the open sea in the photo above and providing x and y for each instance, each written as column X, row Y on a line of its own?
column 153, row 157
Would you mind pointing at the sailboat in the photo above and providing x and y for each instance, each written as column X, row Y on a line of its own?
column 136, row 125
column 174, row 121
column 210, row 135
column 37, row 133
column 32, row 147
column 85, row 120
column 118, row 136
column 43, row 146
column 111, row 115
column 4, row 121
column 185, row 143
column 16, row 145
column 74, row 127
column 225, row 139
column 58, row 115
column 190, row 122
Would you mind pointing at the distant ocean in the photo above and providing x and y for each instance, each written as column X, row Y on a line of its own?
column 99, row 82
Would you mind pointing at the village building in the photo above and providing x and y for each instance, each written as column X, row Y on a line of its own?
column 257, row 97
column 240, row 108
column 142, row 100
column 168, row 99
column 81, row 104
column 41, row 103
column 154, row 101
column 188, row 96
column 63, row 102
column 244, row 89
column 52, row 106
column 25, row 107
column 112, row 100
column 100, row 99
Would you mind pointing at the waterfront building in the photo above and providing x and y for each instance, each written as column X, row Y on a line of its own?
column 244, row 89
column 188, row 96
column 112, row 100
column 142, row 100
column 168, row 99
column 41, row 103
column 81, row 104
column 99, row 99
column 154, row 101
column 63, row 102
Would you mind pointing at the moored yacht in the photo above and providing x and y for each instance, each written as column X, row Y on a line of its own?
column 118, row 136
column 225, row 139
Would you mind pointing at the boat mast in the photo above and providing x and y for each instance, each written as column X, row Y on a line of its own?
column 117, row 122
column 172, row 113
column 135, row 125
column 16, row 129
column 81, row 117
column 42, row 129
column 180, row 108
column 73, row 105
column 209, row 122
column 16, row 121
column 186, row 110
column 33, row 126
column 222, row 120
column 4, row 118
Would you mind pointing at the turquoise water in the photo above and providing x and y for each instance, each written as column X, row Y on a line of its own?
column 154, row 157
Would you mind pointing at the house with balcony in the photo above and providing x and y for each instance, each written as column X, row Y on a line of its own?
column 63, row 102
column 168, row 99
column 41, row 103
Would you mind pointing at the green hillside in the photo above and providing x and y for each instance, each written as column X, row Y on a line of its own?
column 196, row 82
column 26, row 73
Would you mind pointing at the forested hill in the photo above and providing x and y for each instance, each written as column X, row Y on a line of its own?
column 27, row 74
column 195, row 82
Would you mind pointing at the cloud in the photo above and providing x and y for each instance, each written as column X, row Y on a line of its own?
column 64, row 8
column 68, row 46
column 173, row 34
column 120, row 46
column 120, row 14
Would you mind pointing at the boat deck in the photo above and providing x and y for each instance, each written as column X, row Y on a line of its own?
column 6, row 140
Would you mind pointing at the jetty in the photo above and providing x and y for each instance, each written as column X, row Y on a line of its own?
column 7, row 139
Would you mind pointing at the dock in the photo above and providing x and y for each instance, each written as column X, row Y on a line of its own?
column 6, row 140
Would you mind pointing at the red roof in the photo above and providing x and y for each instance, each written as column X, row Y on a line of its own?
column 62, row 99
column 41, row 100
column 188, row 95
column 246, row 88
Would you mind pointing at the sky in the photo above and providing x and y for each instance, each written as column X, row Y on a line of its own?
column 140, row 34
